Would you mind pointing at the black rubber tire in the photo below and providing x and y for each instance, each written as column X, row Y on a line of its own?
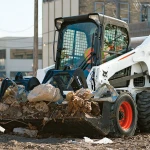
column 115, row 129
column 143, row 106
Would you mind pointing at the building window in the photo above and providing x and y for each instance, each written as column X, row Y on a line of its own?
column 24, row 73
column 23, row 54
column 145, row 12
column 2, row 74
column 124, row 12
column 110, row 9
column 2, row 59
column 99, row 7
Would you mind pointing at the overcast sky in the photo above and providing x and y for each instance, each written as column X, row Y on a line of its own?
column 18, row 15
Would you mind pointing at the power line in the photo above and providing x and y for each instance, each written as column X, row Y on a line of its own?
column 47, row 32
column 15, row 39
column 9, row 41
column 20, row 30
column 24, row 37
column 19, row 47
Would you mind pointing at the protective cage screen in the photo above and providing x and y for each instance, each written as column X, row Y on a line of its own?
column 74, row 45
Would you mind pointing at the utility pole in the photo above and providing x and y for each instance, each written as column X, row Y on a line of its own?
column 118, row 8
column 35, row 51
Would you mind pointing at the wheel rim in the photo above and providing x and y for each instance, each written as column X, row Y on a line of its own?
column 125, row 115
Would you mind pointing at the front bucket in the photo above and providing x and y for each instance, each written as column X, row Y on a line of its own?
column 76, row 127
column 84, row 125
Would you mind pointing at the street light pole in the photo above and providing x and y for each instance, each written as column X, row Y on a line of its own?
column 35, row 51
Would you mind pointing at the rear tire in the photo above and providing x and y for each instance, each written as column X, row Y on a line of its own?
column 143, row 106
column 124, row 116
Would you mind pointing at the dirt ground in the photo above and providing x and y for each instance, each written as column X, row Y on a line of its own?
column 13, row 142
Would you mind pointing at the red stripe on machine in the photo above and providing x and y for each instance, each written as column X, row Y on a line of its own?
column 126, row 56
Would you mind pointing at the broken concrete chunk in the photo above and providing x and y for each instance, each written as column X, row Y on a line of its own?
column 23, row 131
column 21, row 94
column 3, row 107
column 12, row 112
column 44, row 92
column 2, row 129
column 14, row 95
column 57, row 96
column 19, row 114
column 9, row 100
column 15, row 104
column 42, row 107
column 11, row 92
column 26, row 109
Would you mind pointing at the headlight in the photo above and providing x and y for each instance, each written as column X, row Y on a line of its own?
column 59, row 23
column 94, row 17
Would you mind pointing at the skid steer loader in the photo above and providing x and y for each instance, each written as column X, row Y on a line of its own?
column 94, row 52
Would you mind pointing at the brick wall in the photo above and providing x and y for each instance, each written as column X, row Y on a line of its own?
column 87, row 6
column 139, row 29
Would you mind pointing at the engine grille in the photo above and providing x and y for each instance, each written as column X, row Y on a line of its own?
column 139, row 82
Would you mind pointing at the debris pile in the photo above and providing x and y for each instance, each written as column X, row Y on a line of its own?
column 19, row 104
column 76, row 104
column 79, row 103
column 44, row 102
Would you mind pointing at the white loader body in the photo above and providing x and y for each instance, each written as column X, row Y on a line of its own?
column 138, row 59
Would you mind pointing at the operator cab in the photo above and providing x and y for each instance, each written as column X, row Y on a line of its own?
column 88, row 40
column 83, row 42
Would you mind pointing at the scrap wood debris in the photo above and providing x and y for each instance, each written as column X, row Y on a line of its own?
column 79, row 102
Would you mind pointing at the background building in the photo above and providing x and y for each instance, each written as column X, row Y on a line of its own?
column 135, row 12
column 51, row 10
column 16, row 54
